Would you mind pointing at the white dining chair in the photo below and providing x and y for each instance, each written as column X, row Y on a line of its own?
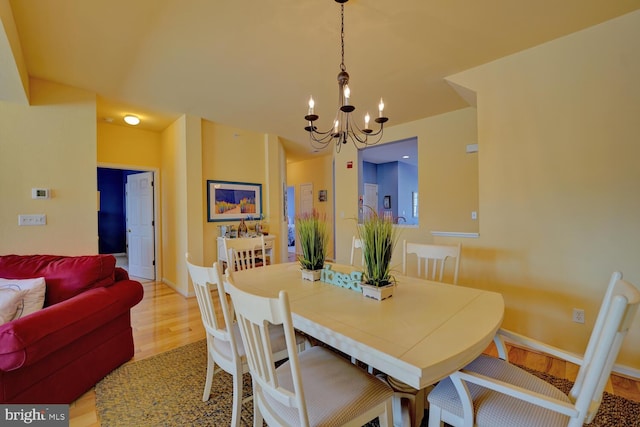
column 224, row 345
column 434, row 258
column 492, row 392
column 245, row 253
column 356, row 244
column 315, row 387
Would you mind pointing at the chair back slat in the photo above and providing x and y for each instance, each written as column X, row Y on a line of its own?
column 433, row 257
column 617, row 311
column 245, row 253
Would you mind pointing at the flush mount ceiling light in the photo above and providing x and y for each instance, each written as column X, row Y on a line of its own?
column 344, row 126
column 131, row 119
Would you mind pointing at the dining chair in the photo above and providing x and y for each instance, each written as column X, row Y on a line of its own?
column 433, row 257
column 245, row 253
column 315, row 386
column 490, row 391
column 224, row 345
column 356, row 244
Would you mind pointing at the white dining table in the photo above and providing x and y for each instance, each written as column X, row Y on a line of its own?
column 423, row 333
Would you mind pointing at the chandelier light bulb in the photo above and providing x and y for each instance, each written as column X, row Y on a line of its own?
column 311, row 105
column 335, row 126
column 347, row 94
column 366, row 120
column 380, row 107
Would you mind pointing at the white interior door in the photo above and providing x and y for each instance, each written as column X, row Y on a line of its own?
column 370, row 199
column 140, row 226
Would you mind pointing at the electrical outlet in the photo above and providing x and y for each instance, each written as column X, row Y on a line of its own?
column 38, row 219
column 578, row 315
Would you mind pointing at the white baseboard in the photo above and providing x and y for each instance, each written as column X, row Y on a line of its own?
column 622, row 370
column 455, row 234
column 627, row 372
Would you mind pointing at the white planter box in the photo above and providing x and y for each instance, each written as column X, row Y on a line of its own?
column 379, row 293
column 311, row 275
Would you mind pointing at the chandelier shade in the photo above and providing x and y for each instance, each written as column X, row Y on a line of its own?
column 344, row 127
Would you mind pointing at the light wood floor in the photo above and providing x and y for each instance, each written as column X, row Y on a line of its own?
column 164, row 320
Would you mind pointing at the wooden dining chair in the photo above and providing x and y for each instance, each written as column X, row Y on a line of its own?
column 245, row 253
column 356, row 244
column 490, row 391
column 315, row 386
column 224, row 345
column 434, row 258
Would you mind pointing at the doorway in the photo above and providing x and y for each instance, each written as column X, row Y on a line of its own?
column 291, row 222
column 126, row 220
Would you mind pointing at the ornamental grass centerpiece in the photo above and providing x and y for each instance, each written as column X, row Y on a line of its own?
column 379, row 238
column 314, row 238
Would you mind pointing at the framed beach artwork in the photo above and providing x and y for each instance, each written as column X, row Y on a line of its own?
column 229, row 201
column 386, row 202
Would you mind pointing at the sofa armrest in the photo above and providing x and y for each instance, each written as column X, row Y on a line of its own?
column 29, row 339
column 121, row 274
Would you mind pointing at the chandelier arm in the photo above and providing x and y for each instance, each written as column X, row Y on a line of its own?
column 320, row 143
column 315, row 131
column 323, row 139
column 357, row 136
column 379, row 137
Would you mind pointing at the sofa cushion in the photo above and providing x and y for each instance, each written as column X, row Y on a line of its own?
column 33, row 299
column 10, row 298
column 66, row 276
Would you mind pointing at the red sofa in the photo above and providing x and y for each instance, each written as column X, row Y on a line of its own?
column 82, row 333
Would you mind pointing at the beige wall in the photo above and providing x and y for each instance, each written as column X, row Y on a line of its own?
column 447, row 181
column 557, row 181
column 49, row 144
column 128, row 146
column 173, row 217
column 318, row 172
column 187, row 153
column 558, row 201
column 181, row 201
column 447, row 174
column 558, row 133
column 238, row 155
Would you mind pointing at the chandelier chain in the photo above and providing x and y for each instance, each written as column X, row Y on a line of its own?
column 342, row 66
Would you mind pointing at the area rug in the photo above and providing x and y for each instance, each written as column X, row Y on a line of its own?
column 166, row 390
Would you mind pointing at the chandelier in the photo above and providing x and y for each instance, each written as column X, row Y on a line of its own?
column 344, row 127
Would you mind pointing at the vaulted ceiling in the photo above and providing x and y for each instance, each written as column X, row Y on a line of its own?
column 254, row 64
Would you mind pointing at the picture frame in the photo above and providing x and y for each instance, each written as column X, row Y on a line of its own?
column 232, row 201
column 386, row 202
column 322, row 195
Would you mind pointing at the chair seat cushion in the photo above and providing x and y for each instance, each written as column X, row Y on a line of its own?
column 335, row 390
column 490, row 406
